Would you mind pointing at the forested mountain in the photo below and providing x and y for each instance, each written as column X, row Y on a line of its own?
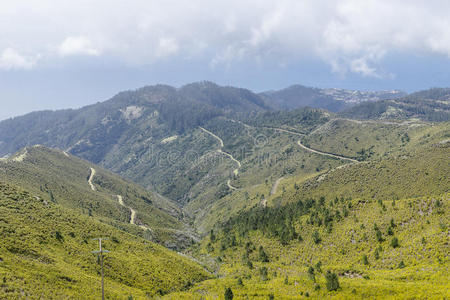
column 430, row 105
column 297, row 96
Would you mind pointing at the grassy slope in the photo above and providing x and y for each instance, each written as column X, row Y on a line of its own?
column 348, row 137
column 404, row 187
column 53, row 176
column 425, row 274
column 265, row 156
column 35, row 264
column 420, row 173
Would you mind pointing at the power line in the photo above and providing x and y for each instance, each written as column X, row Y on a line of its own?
column 100, row 252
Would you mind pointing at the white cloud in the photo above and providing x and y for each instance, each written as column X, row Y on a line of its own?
column 78, row 45
column 166, row 47
column 352, row 36
column 11, row 60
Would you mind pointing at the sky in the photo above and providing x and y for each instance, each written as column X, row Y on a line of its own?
column 69, row 53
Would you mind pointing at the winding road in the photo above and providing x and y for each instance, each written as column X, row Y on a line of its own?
column 326, row 154
column 120, row 198
column 133, row 213
column 310, row 149
column 235, row 171
column 90, row 180
column 275, row 186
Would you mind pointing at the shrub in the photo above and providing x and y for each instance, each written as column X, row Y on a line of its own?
column 377, row 254
column 379, row 235
column 239, row 281
column 249, row 264
column 332, row 281
column 390, row 231
column 59, row 236
column 401, row 265
column 311, row 273
column 319, row 266
column 392, row 223
column 263, row 273
column 365, row 261
column 394, row 242
column 228, row 294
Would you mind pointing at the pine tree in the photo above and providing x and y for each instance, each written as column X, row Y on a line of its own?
column 316, row 237
column 332, row 281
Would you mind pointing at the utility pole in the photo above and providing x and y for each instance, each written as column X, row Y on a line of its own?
column 101, row 251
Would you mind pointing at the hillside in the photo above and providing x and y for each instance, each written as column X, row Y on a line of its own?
column 430, row 105
column 380, row 226
column 371, row 139
column 408, row 258
column 57, row 177
column 46, row 253
column 423, row 172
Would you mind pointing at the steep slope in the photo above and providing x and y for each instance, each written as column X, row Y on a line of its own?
column 58, row 177
column 297, row 96
column 46, row 253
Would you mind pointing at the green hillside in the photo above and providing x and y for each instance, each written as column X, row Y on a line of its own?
column 46, row 254
column 416, row 174
column 381, row 226
column 256, row 264
column 60, row 178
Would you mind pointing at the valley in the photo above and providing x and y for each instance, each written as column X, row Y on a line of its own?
column 203, row 188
